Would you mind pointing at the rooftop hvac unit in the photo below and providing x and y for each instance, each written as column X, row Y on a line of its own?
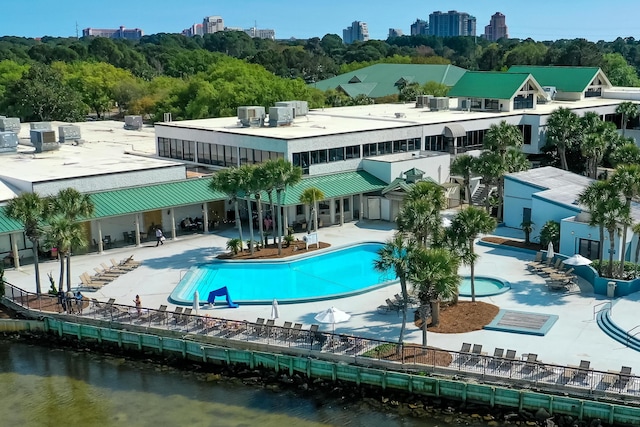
column 439, row 103
column 44, row 140
column 422, row 101
column 68, row 133
column 280, row 116
column 10, row 124
column 8, row 142
column 133, row 122
column 300, row 108
column 40, row 126
column 251, row 116
column 550, row 93
column 167, row 117
column 400, row 115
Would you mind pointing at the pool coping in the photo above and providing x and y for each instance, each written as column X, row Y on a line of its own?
column 505, row 288
column 180, row 301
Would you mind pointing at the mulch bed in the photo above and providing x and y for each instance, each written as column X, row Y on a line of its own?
column 48, row 303
column 414, row 353
column 271, row 251
column 465, row 316
column 513, row 243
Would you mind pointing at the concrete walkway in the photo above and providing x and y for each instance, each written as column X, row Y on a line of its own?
column 574, row 337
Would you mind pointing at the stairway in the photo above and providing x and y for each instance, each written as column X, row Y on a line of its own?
column 614, row 331
column 480, row 195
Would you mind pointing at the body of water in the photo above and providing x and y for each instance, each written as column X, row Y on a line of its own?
column 51, row 387
column 331, row 274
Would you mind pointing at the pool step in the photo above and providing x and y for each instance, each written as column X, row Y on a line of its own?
column 607, row 325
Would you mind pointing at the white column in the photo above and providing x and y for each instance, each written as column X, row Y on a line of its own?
column 332, row 211
column 173, row 224
column 14, row 250
column 100, row 242
column 285, row 220
column 205, row 218
column 361, row 213
column 341, row 211
column 137, row 222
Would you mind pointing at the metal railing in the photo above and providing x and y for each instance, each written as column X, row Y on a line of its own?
column 629, row 335
column 610, row 308
column 478, row 364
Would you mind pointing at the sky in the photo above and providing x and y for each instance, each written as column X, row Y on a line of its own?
column 539, row 20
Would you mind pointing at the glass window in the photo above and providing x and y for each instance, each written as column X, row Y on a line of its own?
column 189, row 150
column 491, row 104
column 336, row 154
column 370, row 150
column 589, row 248
column 353, row 152
column 385, row 147
column 318, row 156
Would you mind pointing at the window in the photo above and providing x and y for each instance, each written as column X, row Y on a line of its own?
column 336, row 154
column 163, row 147
column 385, row 147
column 302, row 160
column 370, row 150
column 353, row 152
column 526, row 134
column 589, row 248
column 318, row 156
column 520, row 102
column 188, row 149
column 491, row 104
column 434, row 143
column 299, row 209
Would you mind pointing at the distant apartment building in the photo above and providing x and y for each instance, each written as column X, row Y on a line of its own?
column 194, row 30
column 212, row 24
column 420, row 28
column 395, row 32
column 254, row 32
column 120, row 33
column 358, row 31
column 451, row 24
column 497, row 28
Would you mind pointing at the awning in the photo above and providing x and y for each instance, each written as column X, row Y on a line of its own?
column 454, row 130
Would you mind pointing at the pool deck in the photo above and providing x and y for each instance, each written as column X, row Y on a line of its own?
column 574, row 337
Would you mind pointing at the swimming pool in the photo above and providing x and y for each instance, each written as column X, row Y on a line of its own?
column 484, row 286
column 336, row 273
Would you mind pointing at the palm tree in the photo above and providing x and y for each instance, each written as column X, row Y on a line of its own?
column 395, row 254
column 527, row 226
column 269, row 173
column 563, row 130
column 490, row 167
column 501, row 138
column 463, row 165
column 73, row 205
column 228, row 182
column 434, row 273
column 246, row 182
column 626, row 179
column 594, row 198
column 597, row 136
column 259, row 183
column 629, row 110
column 466, row 226
column 420, row 214
column 64, row 234
column 30, row 209
column 285, row 175
column 311, row 196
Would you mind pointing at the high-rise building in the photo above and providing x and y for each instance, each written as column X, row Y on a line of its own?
column 358, row 31
column 212, row 24
column 497, row 28
column 395, row 32
column 194, row 30
column 420, row 28
column 120, row 33
column 451, row 24
column 266, row 33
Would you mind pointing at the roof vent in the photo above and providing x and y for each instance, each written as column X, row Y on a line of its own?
column 400, row 115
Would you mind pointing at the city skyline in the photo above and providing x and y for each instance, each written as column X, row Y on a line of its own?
column 546, row 21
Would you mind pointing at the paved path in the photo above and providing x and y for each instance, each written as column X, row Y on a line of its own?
column 575, row 336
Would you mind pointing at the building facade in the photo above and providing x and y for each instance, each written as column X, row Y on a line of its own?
column 451, row 24
column 212, row 24
column 420, row 28
column 497, row 28
column 395, row 32
column 194, row 30
column 266, row 33
column 357, row 31
column 119, row 33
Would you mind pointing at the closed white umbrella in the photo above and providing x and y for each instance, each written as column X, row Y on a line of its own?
column 446, row 222
column 275, row 311
column 196, row 301
column 577, row 260
column 550, row 253
column 332, row 315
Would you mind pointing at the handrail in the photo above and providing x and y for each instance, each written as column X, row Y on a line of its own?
column 600, row 304
column 629, row 333
column 182, row 271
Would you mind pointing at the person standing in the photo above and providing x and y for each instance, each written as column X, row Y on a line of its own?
column 138, row 303
column 159, row 237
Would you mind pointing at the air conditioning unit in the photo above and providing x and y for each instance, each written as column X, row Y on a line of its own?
column 10, row 124
column 8, row 142
column 251, row 116
column 422, row 101
column 40, row 126
column 133, row 122
column 280, row 116
column 68, row 133
column 300, row 108
column 440, row 103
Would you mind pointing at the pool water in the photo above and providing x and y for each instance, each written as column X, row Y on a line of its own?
column 484, row 286
column 335, row 273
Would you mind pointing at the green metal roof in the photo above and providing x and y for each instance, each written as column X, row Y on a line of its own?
column 8, row 225
column 154, row 197
column 384, row 77
column 335, row 185
column 565, row 79
column 492, row 85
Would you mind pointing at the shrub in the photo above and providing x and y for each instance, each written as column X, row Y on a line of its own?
column 550, row 232
column 630, row 269
column 234, row 245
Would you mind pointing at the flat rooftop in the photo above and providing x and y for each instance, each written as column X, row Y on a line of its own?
column 338, row 120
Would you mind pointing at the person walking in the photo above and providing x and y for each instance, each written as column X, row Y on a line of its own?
column 159, row 237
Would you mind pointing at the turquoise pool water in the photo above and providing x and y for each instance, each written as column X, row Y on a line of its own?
column 336, row 273
column 484, row 286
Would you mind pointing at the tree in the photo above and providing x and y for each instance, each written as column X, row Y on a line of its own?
column 628, row 154
column 463, row 165
column 490, row 167
column 30, row 209
column 500, row 138
column 64, row 234
column 596, row 139
column 550, row 232
column 259, row 184
column 628, row 110
column 527, row 226
column 395, row 255
column 563, row 130
column 420, row 214
column 282, row 175
column 434, row 273
column 311, row 196
column 71, row 205
column 466, row 226
column 246, row 181
column 229, row 182
column 626, row 179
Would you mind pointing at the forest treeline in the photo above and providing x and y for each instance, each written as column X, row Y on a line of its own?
column 209, row 76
